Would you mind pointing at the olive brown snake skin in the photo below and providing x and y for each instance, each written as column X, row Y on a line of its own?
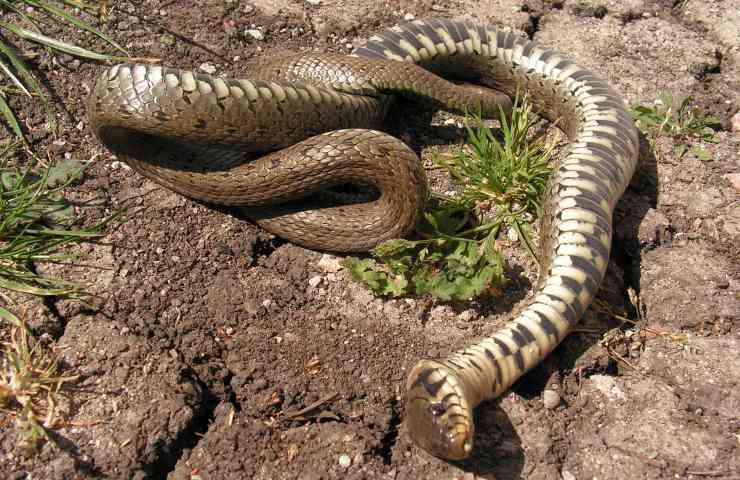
column 192, row 133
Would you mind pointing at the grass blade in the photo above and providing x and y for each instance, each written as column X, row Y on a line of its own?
column 25, row 73
column 9, row 317
column 69, row 48
column 66, row 233
column 27, row 287
column 20, row 66
column 42, row 39
column 9, row 73
column 51, row 9
column 11, row 7
column 10, row 118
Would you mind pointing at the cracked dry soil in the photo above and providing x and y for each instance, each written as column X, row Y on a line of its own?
column 213, row 350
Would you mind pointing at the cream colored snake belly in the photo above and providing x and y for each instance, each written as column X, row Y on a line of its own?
column 303, row 123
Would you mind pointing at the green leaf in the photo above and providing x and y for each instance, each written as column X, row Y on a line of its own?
column 397, row 286
column 364, row 271
column 445, row 221
column 702, row 154
column 65, row 172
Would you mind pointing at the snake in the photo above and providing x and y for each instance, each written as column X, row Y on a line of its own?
column 304, row 122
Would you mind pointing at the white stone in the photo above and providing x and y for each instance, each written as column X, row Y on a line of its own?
column 255, row 34
column 329, row 263
column 208, row 68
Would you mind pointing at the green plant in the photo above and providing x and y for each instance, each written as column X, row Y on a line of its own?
column 683, row 123
column 500, row 183
column 30, row 382
column 16, row 77
column 36, row 226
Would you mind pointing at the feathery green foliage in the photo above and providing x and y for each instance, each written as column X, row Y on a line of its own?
column 36, row 226
column 682, row 122
column 500, row 183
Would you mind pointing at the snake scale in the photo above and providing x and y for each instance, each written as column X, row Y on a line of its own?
column 311, row 117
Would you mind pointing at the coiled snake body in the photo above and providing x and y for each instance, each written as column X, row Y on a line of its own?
column 201, row 136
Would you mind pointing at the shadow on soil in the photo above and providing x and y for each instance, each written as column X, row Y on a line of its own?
column 497, row 452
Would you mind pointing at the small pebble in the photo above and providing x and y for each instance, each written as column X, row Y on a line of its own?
column 313, row 2
column 167, row 39
column 551, row 399
column 344, row 461
column 513, row 236
column 408, row 17
column 734, row 179
column 315, row 281
column 255, row 34
column 466, row 315
column 567, row 475
column 736, row 122
column 208, row 68
column 329, row 263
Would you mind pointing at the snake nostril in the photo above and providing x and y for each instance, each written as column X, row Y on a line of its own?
column 437, row 409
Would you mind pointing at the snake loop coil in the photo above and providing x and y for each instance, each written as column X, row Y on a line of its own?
column 302, row 123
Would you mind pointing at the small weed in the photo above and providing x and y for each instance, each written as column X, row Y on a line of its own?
column 16, row 77
column 30, row 383
column 36, row 226
column 500, row 183
column 683, row 124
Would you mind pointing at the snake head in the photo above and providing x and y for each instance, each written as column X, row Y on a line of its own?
column 438, row 415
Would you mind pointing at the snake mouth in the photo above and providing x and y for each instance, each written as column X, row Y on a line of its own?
column 438, row 416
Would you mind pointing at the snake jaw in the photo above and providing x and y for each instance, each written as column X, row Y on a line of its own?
column 437, row 414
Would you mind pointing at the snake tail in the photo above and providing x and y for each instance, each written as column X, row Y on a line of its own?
column 575, row 229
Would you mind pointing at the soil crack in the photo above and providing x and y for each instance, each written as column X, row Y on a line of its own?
column 390, row 436
column 187, row 438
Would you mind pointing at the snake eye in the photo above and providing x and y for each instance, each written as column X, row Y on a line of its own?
column 437, row 409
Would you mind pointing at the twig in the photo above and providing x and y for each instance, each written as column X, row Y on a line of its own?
column 318, row 403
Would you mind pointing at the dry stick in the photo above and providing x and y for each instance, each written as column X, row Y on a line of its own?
column 313, row 406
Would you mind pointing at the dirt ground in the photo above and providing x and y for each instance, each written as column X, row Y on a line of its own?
column 207, row 339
